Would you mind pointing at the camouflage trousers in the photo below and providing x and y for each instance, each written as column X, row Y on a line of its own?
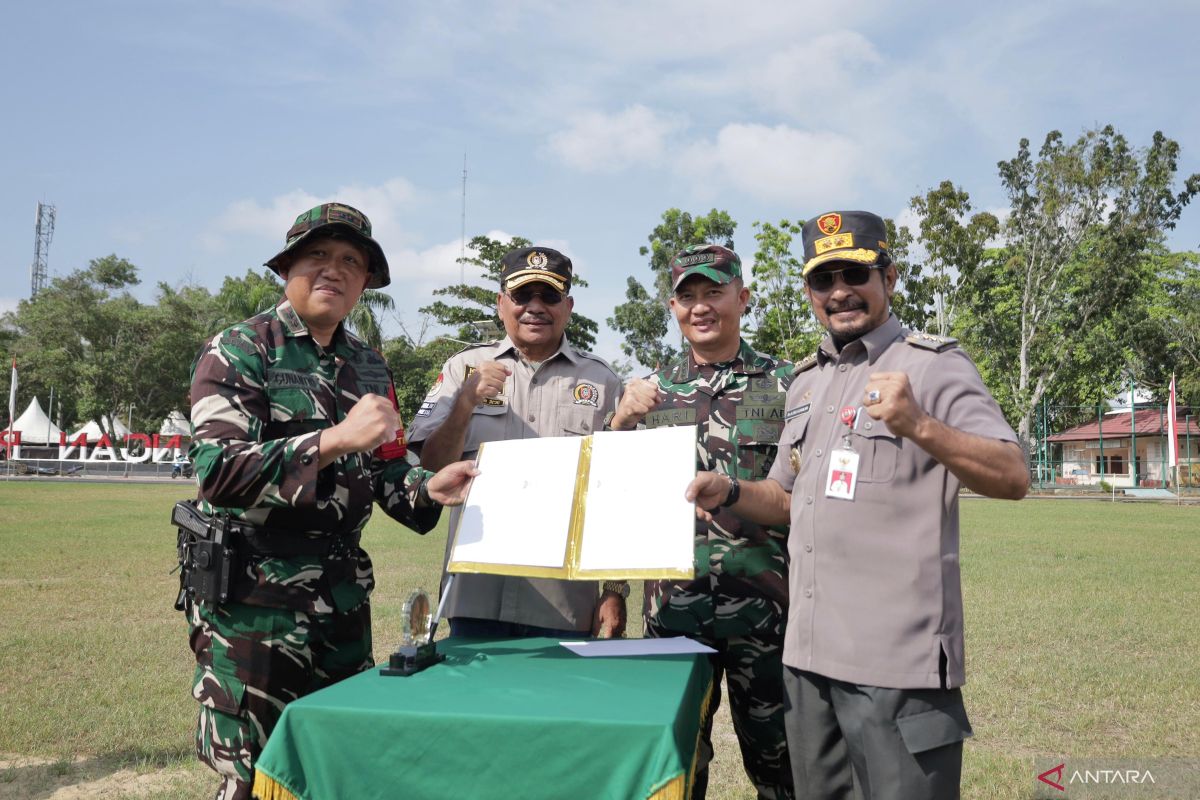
column 251, row 662
column 753, row 670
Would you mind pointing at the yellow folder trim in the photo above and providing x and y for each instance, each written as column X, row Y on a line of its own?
column 512, row 570
column 579, row 507
column 647, row 574
column 570, row 570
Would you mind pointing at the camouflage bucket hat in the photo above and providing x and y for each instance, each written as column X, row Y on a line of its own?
column 718, row 264
column 337, row 218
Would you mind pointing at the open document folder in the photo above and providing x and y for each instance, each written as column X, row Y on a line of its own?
column 609, row 506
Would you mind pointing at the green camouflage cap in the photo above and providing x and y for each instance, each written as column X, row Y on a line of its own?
column 337, row 218
column 718, row 264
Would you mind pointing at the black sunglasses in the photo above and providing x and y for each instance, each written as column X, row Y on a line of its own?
column 851, row 276
column 550, row 297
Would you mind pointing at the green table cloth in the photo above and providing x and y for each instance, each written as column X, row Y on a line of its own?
column 498, row 719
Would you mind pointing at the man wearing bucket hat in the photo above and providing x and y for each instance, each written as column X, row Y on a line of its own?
column 737, row 602
column 531, row 383
column 295, row 437
column 882, row 428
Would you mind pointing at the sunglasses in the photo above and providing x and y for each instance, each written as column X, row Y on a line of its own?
column 550, row 297
column 851, row 276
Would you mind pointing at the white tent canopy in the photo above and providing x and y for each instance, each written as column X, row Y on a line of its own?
column 114, row 426
column 35, row 426
column 176, row 424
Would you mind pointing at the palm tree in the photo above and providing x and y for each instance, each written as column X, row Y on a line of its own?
column 364, row 317
column 242, row 298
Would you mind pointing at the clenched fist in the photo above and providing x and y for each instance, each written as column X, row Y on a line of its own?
column 485, row 383
column 372, row 422
column 888, row 396
column 640, row 398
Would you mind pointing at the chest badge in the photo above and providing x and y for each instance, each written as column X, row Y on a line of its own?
column 586, row 395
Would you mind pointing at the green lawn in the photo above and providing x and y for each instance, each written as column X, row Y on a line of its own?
column 1082, row 635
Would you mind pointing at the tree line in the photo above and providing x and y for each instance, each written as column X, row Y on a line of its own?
column 1061, row 298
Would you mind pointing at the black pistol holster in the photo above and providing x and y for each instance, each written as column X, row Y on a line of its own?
column 207, row 555
column 213, row 550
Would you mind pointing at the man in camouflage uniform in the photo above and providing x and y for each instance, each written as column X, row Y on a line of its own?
column 295, row 436
column 531, row 383
column 737, row 602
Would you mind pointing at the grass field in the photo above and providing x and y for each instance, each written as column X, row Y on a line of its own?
column 1082, row 639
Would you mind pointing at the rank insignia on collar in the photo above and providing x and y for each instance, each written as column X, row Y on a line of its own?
column 586, row 395
column 830, row 224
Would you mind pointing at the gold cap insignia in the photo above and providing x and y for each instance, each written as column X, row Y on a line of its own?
column 836, row 242
column 537, row 260
column 830, row 223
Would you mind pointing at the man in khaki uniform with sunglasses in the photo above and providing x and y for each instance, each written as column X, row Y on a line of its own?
column 882, row 427
column 532, row 383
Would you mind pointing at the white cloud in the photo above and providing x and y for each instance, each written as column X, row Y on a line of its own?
column 807, row 78
column 436, row 266
column 598, row 142
column 776, row 163
column 8, row 304
column 821, row 76
column 383, row 204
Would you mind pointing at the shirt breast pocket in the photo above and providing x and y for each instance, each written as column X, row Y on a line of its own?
column 757, row 443
column 792, row 441
column 294, row 412
column 880, row 449
column 488, row 423
column 579, row 421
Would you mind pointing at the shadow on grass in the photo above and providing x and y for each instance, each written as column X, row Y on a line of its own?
column 37, row 778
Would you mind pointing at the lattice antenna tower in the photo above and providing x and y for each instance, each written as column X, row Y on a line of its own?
column 41, row 249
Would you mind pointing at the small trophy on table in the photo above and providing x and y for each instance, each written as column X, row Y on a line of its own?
column 417, row 649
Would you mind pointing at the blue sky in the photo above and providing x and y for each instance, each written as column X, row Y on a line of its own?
column 186, row 136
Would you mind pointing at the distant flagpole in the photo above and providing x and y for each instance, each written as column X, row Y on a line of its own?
column 12, row 409
column 1173, row 435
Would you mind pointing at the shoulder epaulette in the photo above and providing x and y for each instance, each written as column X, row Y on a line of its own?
column 476, row 346
column 805, row 364
column 594, row 357
column 928, row 341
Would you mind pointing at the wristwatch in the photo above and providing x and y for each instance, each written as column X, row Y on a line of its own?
column 423, row 498
column 617, row 587
column 735, row 491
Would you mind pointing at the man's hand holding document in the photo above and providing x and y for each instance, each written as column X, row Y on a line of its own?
column 606, row 506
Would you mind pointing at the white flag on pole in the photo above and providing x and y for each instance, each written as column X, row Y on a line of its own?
column 12, row 395
column 1172, row 431
column 12, row 410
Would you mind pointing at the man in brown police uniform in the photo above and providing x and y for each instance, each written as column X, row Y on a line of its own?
column 531, row 383
column 882, row 428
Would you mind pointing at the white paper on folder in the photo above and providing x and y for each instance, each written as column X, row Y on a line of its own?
column 675, row 645
column 636, row 514
column 519, row 508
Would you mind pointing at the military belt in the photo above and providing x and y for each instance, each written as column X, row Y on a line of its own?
column 256, row 540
